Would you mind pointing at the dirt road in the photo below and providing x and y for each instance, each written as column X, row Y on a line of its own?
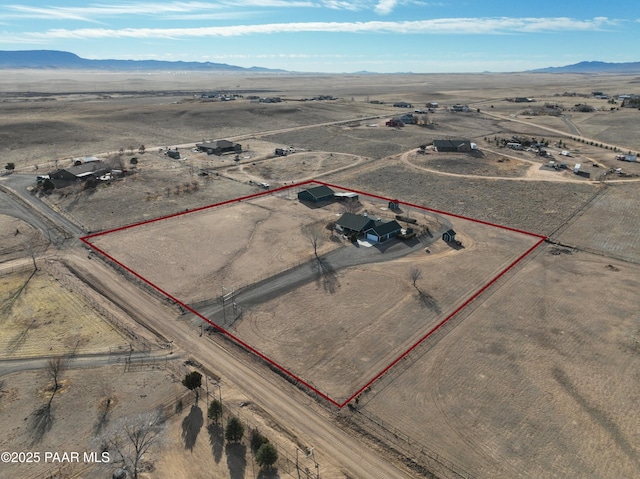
column 288, row 406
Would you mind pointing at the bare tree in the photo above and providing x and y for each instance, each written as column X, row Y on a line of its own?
column 55, row 367
column 350, row 205
column 415, row 274
column 315, row 235
column 133, row 437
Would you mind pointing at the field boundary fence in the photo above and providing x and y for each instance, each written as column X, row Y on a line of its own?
column 66, row 279
column 420, row 455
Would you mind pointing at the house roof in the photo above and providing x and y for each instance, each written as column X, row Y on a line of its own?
column 449, row 232
column 86, row 168
column 382, row 228
column 320, row 191
column 354, row 222
column 451, row 143
column 217, row 144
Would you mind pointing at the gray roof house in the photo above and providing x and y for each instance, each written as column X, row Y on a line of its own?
column 382, row 231
column 376, row 231
column 352, row 223
column 81, row 172
column 219, row 147
column 316, row 194
column 449, row 146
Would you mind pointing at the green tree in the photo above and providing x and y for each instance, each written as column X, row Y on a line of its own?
column 234, row 430
column 267, row 455
column 10, row 166
column 215, row 410
column 193, row 381
column 256, row 439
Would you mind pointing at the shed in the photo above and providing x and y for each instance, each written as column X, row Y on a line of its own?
column 316, row 194
column 449, row 236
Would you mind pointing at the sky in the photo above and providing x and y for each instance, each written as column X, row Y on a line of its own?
column 333, row 36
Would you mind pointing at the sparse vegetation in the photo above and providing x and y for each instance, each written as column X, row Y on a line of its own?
column 234, row 431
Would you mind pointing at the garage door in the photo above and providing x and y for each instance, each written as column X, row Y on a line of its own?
column 371, row 237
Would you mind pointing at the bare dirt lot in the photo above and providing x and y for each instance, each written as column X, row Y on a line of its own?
column 328, row 336
column 522, row 382
column 609, row 224
column 536, row 379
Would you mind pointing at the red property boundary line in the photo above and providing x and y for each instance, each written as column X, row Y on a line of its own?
column 340, row 405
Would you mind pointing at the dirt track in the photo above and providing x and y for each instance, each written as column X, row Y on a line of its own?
column 287, row 405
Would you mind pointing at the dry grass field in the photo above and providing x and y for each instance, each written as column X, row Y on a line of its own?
column 76, row 421
column 610, row 224
column 40, row 317
column 337, row 338
column 540, row 380
column 536, row 378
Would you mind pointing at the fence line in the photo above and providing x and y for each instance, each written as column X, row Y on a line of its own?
column 66, row 279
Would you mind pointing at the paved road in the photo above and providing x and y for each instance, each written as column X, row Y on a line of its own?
column 291, row 408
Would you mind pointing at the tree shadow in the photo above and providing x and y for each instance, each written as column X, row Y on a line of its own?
column 327, row 276
column 40, row 423
column 236, row 460
column 429, row 301
column 191, row 426
column 216, row 439
column 103, row 416
column 268, row 473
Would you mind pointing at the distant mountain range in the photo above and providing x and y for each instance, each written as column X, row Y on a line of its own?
column 593, row 67
column 52, row 59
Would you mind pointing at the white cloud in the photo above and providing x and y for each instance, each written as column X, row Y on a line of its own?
column 90, row 12
column 449, row 26
column 384, row 7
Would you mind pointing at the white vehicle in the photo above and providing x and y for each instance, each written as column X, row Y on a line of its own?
column 264, row 185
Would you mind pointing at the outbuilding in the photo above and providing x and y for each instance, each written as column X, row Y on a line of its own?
column 449, row 236
column 316, row 194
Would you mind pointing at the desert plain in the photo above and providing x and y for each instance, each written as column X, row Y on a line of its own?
column 535, row 376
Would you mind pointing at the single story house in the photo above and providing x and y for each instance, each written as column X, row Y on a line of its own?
column 458, row 107
column 382, row 231
column 316, row 194
column 403, row 104
column 350, row 223
column 81, row 172
column 408, row 119
column 376, row 231
column 452, row 146
column 219, row 147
